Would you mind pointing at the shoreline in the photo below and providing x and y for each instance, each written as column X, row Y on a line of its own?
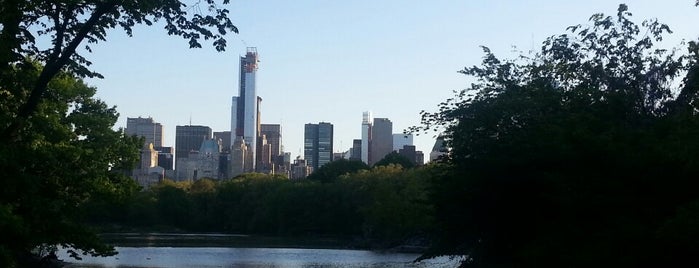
column 177, row 239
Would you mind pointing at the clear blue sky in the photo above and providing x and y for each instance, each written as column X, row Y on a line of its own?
column 328, row 60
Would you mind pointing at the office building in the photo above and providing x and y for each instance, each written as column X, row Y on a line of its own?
column 245, row 107
column 238, row 157
column 401, row 139
column 318, row 144
column 381, row 139
column 166, row 157
column 366, row 137
column 356, row 150
column 147, row 128
column 188, row 139
column 273, row 134
column 208, row 157
column 226, row 142
column 300, row 169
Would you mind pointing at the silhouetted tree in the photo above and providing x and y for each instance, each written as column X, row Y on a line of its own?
column 62, row 161
column 561, row 158
column 56, row 141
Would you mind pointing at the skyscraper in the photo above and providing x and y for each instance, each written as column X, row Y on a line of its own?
column 381, row 139
column 244, row 108
column 273, row 132
column 366, row 137
column 310, row 144
column 147, row 128
column 356, row 151
column 325, row 144
column 318, row 144
column 187, row 139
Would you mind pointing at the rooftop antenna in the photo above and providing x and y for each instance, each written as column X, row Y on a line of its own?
column 190, row 119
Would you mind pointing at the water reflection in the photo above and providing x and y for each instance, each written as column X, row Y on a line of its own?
column 251, row 258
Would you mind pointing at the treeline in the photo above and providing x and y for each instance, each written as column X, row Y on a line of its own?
column 383, row 206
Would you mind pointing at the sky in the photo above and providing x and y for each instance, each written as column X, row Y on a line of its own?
column 328, row 60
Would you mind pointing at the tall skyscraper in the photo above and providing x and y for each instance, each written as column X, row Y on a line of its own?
column 318, row 144
column 310, row 144
column 366, row 137
column 147, row 128
column 325, row 144
column 244, row 109
column 187, row 139
column 381, row 139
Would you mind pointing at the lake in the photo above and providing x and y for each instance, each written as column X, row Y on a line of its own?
column 252, row 258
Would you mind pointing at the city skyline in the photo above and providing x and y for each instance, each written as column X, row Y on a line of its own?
column 394, row 64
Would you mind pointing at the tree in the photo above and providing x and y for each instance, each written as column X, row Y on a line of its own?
column 57, row 145
column 562, row 157
column 70, row 23
column 62, row 161
column 395, row 158
column 333, row 170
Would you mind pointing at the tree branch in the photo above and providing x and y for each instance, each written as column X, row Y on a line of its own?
column 52, row 68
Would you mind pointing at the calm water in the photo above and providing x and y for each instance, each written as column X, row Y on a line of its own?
column 251, row 258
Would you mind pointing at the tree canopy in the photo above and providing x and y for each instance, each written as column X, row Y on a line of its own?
column 63, row 160
column 395, row 158
column 57, row 146
column 561, row 158
column 333, row 170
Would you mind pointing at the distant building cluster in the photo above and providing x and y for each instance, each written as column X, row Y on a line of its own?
column 251, row 146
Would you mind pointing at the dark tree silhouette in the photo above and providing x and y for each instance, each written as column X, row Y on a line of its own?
column 565, row 157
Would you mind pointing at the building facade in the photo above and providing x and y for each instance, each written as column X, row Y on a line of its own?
column 244, row 108
column 439, row 149
column 401, row 139
column 225, row 137
column 166, row 157
column 381, row 139
column 147, row 128
column 188, row 139
column 318, row 144
column 366, row 137
column 273, row 134
column 356, row 151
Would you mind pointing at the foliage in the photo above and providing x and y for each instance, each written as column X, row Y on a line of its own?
column 383, row 206
column 398, row 206
column 395, row 158
column 333, row 170
column 62, row 161
column 57, row 145
column 564, row 157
